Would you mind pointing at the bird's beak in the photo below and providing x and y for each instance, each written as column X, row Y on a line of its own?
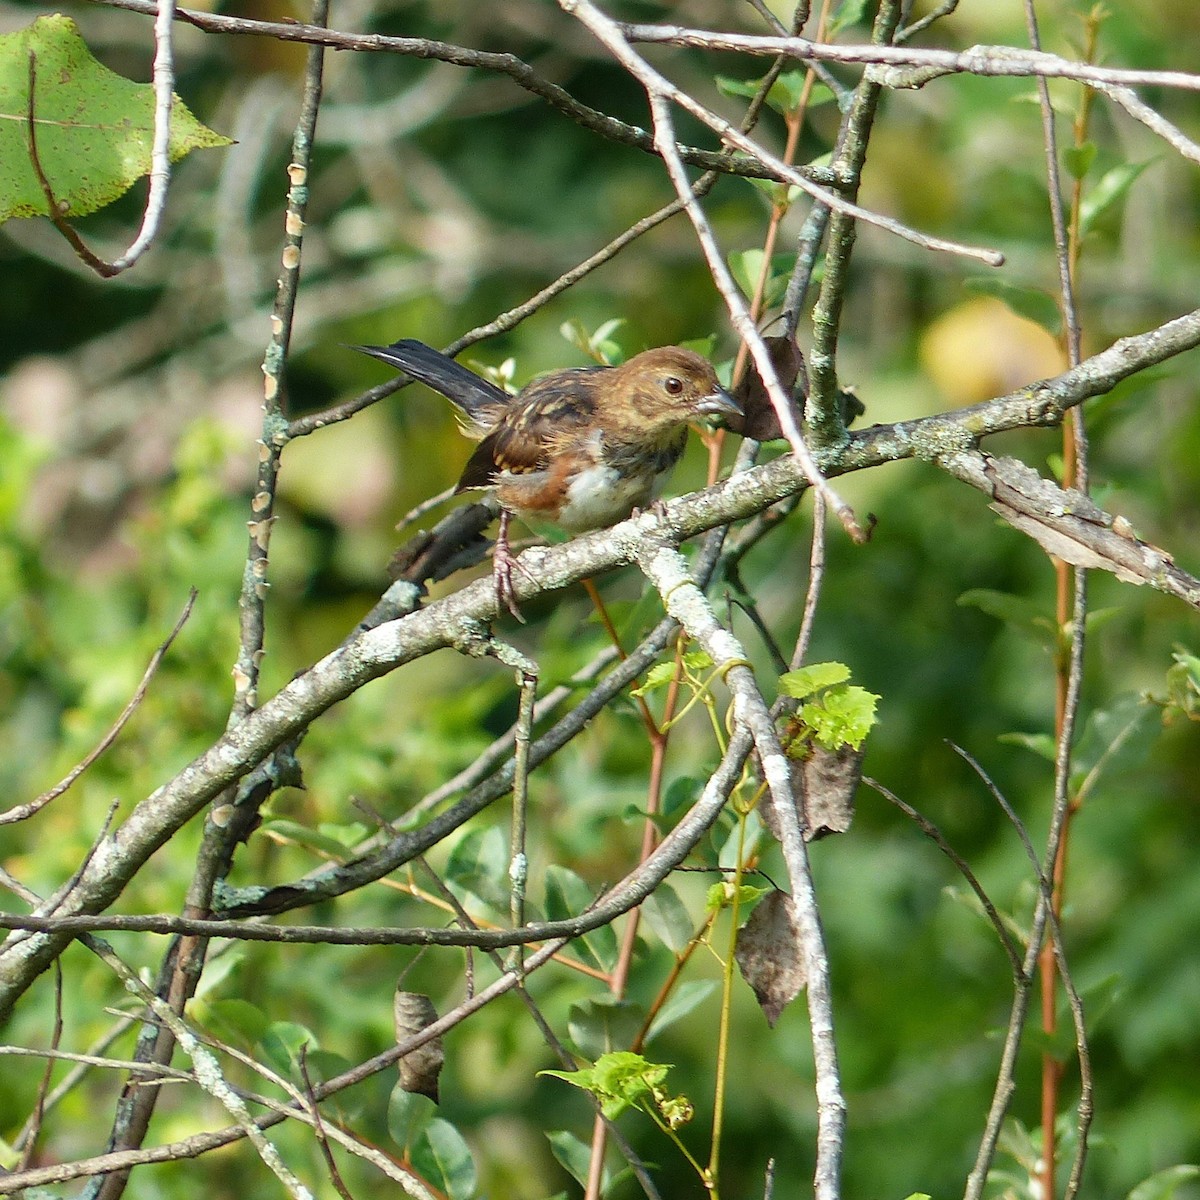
column 719, row 403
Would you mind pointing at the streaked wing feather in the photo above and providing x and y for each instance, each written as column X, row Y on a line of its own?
column 548, row 414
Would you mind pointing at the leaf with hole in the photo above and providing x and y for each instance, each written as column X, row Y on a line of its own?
column 94, row 129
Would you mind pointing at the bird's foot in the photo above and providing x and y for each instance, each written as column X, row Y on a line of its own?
column 503, row 563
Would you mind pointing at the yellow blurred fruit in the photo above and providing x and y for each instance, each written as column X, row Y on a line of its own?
column 981, row 348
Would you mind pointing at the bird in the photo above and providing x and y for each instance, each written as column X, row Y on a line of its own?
column 580, row 448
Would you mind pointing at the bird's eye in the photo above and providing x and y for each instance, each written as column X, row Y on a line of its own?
column 673, row 384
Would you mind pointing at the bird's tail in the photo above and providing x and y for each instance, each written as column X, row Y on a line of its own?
column 462, row 387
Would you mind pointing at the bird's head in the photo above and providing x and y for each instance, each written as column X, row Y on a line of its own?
column 665, row 388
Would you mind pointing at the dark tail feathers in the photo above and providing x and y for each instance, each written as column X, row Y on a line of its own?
column 432, row 368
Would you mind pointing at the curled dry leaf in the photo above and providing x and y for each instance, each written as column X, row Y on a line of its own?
column 830, row 779
column 770, row 954
column 419, row 1070
column 824, row 783
column 758, row 418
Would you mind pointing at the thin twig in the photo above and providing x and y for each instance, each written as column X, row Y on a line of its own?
column 23, row 811
column 160, row 153
column 518, row 866
column 823, row 407
column 274, row 428
column 56, row 209
column 1003, row 61
column 33, row 1126
column 335, row 1176
column 1074, row 1001
column 935, row 835
column 816, row 577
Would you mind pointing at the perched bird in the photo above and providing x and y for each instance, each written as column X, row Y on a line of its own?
column 580, row 448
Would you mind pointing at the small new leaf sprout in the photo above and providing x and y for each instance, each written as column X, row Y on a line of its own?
column 1182, row 700
column 599, row 345
column 621, row 1080
column 835, row 713
column 676, row 1110
column 808, row 680
column 661, row 674
column 721, row 895
column 502, row 376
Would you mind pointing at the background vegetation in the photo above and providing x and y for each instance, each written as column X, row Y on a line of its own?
column 441, row 196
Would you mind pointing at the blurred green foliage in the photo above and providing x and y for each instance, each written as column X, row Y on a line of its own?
column 126, row 458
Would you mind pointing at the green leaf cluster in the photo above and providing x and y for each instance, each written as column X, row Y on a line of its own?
column 835, row 713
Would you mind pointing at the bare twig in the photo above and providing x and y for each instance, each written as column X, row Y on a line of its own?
column 22, row 811
column 1004, row 61
column 274, row 428
column 935, row 835
column 160, row 153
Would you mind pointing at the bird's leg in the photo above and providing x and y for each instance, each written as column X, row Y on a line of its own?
column 503, row 561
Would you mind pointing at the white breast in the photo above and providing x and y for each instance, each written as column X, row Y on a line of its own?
column 599, row 497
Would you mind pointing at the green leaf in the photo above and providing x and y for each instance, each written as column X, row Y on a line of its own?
column 657, row 677
column 747, row 267
column 303, row 835
column 1117, row 738
column 478, row 867
column 737, row 87
column 681, row 793
column 281, row 1045
column 619, row 1081
column 573, row 1155
column 969, row 900
column 780, row 195
column 1110, row 190
column 1041, row 744
column 95, row 129
column 851, row 12
column 784, row 94
column 1099, row 617
column 1079, row 159
column 720, row 896
column 235, row 1021
column 599, row 344
column 843, row 717
column 1162, row 1185
column 1100, row 997
column 600, row 1026
column 444, row 1159
column 685, row 998
column 408, row 1115
column 746, row 844
column 567, row 895
column 807, row 680
column 1031, row 303
column 1018, row 611
column 668, row 918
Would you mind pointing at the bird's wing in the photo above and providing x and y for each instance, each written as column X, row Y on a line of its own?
column 478, row 398
column 549, row 414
